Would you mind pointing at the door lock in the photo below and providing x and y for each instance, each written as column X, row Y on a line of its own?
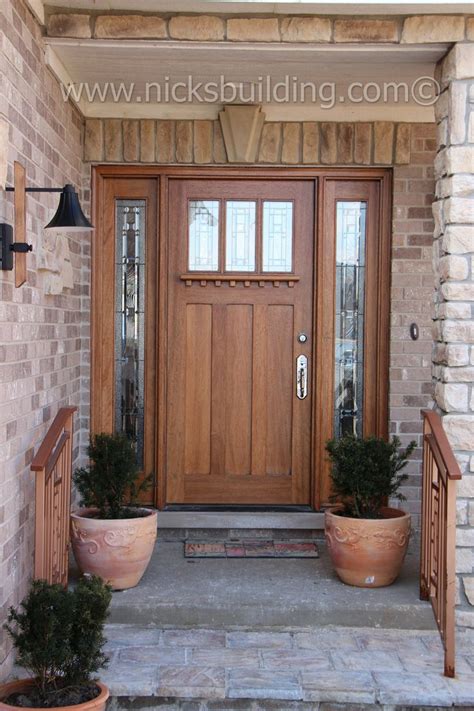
column 302, row 338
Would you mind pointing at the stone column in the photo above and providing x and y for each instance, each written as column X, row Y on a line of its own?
column 453, row 368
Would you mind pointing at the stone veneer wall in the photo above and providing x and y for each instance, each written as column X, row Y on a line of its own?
column 410, row 148
column 44, row 339
column 453, row 369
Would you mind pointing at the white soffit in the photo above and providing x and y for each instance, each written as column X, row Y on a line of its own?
column 337, row 7
column 136, row 63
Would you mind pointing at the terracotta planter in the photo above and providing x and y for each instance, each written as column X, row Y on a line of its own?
column 97, row 704
column 118, row 550
column 368, row 553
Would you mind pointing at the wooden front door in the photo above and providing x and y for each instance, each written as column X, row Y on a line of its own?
column 240, row 315
column 203, row 280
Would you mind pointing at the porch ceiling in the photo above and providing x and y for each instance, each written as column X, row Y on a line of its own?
column 140, row 62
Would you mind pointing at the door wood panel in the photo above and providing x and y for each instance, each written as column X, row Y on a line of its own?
column 236, row 432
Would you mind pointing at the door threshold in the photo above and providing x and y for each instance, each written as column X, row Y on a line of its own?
column 241, row 508
column 309, row 520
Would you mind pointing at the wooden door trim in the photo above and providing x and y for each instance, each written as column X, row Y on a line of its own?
column 264, row 172
column 320, row 176
column 162, row 342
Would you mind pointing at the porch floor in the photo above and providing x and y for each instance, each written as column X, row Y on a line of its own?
column 302, row 668
column 276, row 634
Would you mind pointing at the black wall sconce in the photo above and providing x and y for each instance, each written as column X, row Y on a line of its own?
column 69, row 217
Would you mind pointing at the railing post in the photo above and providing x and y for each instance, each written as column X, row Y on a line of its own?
column 438, row 532
column 425, row 527
column 450, row 572
column 52, row 465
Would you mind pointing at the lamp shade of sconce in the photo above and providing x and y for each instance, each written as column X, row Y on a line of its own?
column 69, row 216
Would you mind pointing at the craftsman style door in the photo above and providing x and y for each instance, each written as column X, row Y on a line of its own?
column 240, row 341
column 240, row 319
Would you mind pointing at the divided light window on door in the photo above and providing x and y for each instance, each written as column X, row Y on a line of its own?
column 240, row 236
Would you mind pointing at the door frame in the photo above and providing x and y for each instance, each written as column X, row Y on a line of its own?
column 375, row 412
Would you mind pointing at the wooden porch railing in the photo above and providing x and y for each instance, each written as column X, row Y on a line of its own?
column 438, row 532
column 53, row 464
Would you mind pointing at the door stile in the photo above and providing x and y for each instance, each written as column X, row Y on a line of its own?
column 314, row 483
column 371, row 310
column 150, row 371
column 161, row 343
column 325, row 267
column 299, row 434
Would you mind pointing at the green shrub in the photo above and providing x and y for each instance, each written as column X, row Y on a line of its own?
column 111, row 480
column 366, row 472
column 58, row 634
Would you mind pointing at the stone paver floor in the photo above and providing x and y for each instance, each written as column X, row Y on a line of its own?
column 335, row 664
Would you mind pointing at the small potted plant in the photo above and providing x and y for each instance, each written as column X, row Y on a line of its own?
column 58, row 637
column 112, row 536
column 367, row 540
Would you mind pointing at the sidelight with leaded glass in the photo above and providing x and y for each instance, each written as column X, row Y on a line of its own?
column 349, row 317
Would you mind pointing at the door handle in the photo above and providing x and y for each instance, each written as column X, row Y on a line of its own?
column 301, row 377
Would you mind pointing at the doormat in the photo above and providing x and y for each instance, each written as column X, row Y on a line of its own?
column 251, row 549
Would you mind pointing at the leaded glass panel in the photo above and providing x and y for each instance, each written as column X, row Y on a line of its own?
column 240, row 236
column 349, row 322
column 130, row 321
column 203, row 218
column 277, row 236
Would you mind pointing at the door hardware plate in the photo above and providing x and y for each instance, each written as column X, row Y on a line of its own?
column 301, row 377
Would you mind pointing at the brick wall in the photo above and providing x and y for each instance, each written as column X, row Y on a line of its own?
column 412, row 300
column 44, row 338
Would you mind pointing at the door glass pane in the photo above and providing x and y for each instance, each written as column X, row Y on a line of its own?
column 130, row 321
column 349, row 324
column 277, row 236
column 203, row 235
column 240, row 236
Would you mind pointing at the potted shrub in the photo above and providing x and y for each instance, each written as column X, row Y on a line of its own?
column 112, row 536
column 367, row 540
column 58, row 637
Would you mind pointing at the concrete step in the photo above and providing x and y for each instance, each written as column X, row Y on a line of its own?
column 264, row 593
column 225, row 534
